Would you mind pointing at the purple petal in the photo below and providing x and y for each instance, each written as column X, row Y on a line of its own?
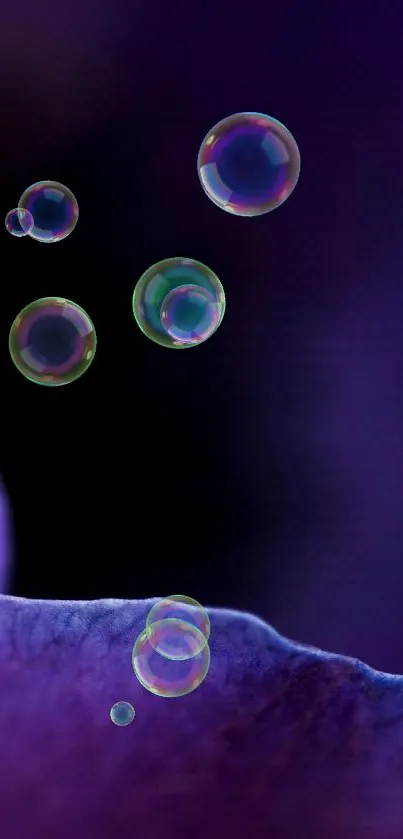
column 280, row 741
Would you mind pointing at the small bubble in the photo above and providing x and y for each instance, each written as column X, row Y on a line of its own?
column 170, row 676
column 122, row 713
column 19, row 222
column 52, row 341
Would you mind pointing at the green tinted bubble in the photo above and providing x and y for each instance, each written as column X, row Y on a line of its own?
column 164, row 676
column 187, row 610
column 178, row 303
column 52, row 341
column 122, row 713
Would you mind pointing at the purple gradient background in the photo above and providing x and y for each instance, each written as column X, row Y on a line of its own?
column 301, row 385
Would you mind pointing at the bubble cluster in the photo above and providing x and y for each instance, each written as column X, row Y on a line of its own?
column 19, row 222
column 176, row 644
column 166, row 676
column 53, row 208
column 178, row 303
column 122, row 713
column 248, row 164
column 52, row 341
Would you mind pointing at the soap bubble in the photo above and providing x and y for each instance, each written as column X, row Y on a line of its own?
column 122, row 713
column 19, row 222
column 54, row 209
column 190, row 314
column 188, row 611
column 178, row 302
column 170, row 677
column 52, row 341
column 175, row 639
column 248, row 164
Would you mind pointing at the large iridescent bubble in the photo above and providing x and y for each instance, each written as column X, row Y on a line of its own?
column 176, row 645
column 248, row 164
column 54, row 209
column 52, row 341
column 170, row 677
column 178, row 303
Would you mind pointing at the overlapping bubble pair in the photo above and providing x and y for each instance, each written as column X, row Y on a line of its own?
column 171, row 656
column 47, row 212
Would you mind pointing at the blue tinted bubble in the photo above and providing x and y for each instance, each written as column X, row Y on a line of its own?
column 52, row 341
column 178, row 303
column 122, row 713
column 248, row 164
column 19, row 222
column 54, row 209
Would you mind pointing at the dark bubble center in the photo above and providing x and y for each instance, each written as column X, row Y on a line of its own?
column 245, row 165
column 53, row 339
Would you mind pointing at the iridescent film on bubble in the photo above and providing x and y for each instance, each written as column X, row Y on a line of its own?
column 54, row 209
column 19, row 222
column 52, row 341
column 169, row 677
column 188, row 611
column 178, row 303
column 248, row 164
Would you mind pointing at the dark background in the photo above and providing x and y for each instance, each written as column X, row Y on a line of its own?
column 263, row 469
